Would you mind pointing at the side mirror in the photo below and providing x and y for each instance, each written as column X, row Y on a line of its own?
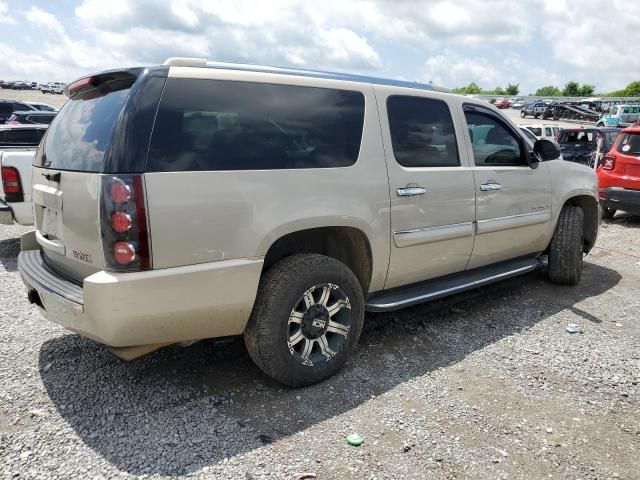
column 545, row 149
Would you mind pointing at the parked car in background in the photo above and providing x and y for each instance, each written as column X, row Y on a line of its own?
column 18, row 145
column 582, row 145
column 31, row 116
column 619, row 175
column 620, row 116
column 7, row 107
column 502, row 103
column 518, row 103
column 43, row 107
column 534, row 110
column 528, row 134
column 547, row 131
column 417, row 208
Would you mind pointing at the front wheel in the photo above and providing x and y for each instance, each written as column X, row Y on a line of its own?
column 600, row 125
column 306, row 319
column 565, row 250
column 522, row 114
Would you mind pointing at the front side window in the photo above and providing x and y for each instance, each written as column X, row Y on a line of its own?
column 422, row 132
column 493, row 144
column 548, row 132
column 227, row 125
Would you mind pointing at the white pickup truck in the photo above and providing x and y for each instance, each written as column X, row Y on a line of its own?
column 18, row 145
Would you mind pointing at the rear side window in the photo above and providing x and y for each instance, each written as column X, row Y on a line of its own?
column 629, row 144
column 547, row 132
column 536, row 131
column 422, row 132
column 227, row 125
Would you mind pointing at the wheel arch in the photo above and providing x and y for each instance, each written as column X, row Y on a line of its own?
column 349, row 245
column 591, row 209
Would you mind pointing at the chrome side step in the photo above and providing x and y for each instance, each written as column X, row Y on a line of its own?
column 406, row 296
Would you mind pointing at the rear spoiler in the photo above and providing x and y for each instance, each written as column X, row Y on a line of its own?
column 100, row 84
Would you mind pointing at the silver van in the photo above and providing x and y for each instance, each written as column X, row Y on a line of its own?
column 196, row 200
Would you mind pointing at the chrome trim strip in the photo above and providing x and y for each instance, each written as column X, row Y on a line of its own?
column 408, row 238
column 451, row 290
column 512, row 221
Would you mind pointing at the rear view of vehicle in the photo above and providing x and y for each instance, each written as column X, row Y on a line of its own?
column 619, row 175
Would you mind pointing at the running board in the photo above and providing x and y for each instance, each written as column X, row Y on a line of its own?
column 406, row 296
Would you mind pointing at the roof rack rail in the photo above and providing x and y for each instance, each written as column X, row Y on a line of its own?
column 185, row 62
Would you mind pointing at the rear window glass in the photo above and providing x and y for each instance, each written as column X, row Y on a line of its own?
column 630, row 144
column 21, row 137
column 422, row 132
column 576, row 137
column 80, row 134
column 227, row 125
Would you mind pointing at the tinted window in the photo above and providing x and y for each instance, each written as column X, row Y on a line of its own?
column 79, row 137
column 6, row 108
column 46, row 119
column 422, row 132
column 629, row 144
column 547, row 132
column 536, row 131
column 21, row 137
column 492, row 143
column 573, row 136
column 225, row 125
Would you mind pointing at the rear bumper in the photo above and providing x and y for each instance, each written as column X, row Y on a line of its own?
column 159, row 306
column 621, row 199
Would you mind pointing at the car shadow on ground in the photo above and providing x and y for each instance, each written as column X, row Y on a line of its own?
column 625, row 219
column 181, row 409
column 9, row 250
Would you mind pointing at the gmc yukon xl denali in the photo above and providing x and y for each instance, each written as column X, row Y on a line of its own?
column 195, row 200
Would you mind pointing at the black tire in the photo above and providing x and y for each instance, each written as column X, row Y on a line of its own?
column 268, row 332
column 565, row 250
column 522, row 114
column 600, row 125
column 608, row 213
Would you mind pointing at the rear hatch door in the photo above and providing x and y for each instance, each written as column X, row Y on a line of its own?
column 628, row 160
column 67, row 176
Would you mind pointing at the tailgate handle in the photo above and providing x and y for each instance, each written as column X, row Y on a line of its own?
column 52, row 245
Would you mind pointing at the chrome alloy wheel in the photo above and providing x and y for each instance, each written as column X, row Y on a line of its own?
column 319, row 324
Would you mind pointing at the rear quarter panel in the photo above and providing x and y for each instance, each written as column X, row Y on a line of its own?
column 208, row 216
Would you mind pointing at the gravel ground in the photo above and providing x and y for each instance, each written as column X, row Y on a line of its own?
column 487, row 385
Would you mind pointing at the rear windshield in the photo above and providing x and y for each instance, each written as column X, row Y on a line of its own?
column 576, row 137
column 26, row 137
column 79, row 136
column 227, row 125
column 630, row 144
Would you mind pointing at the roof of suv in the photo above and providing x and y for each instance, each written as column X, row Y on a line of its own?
column 203, row 63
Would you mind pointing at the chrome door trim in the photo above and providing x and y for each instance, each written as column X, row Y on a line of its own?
column 512, row 221
column 409, row 238
column 490, row 187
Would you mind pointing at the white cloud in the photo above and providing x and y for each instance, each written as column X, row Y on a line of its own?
column 4, row 14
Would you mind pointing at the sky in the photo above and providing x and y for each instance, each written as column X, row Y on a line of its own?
column 450, row 43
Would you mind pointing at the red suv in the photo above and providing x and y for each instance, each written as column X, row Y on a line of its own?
column 619, row 175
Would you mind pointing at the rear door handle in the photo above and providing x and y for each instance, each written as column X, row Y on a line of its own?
column 410, row 191
column 490, row 187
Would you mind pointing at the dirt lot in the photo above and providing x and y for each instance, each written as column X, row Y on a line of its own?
column 486, row 385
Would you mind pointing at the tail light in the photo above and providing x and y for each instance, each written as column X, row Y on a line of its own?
column 123, row 214
column 609, row 162
column 11, row 184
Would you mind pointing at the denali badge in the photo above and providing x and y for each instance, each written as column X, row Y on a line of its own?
column 85, row 257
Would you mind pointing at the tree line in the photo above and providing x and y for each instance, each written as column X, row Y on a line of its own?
column 571, row 89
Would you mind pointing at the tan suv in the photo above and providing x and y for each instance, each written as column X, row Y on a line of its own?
column 196, row 200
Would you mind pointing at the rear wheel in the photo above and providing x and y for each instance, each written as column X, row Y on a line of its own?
column 522, row 114
column 608, row 213
column 306, row 320
column 600, row 124
column 565, row 251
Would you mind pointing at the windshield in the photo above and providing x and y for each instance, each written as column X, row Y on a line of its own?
column 580, row 136
column 79, row 135
column 630, row 144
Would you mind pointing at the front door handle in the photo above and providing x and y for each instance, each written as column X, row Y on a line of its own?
column 410, row 191
column 490, row 187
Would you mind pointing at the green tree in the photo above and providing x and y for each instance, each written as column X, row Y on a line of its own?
column 499, row 91
column 631, row 90
column 548, row 91
column 513, row 89
column 587, row 90
column 471, row 89
column 571, row 89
